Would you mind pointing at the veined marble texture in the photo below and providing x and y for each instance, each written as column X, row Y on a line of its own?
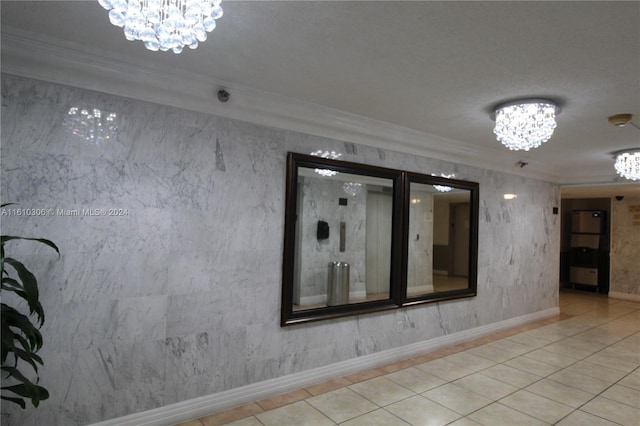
column 625, row 240
column 178, row 295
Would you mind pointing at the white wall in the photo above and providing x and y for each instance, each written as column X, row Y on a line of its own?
column 180, row 297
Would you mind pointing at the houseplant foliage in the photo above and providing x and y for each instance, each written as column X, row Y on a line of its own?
column 21, row 338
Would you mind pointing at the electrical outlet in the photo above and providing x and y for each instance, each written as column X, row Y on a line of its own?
column 399, row 326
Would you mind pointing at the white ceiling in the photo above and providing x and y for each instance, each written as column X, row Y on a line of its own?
column 431, row 69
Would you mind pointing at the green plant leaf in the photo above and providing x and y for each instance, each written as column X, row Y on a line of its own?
column 7, row 339
column 28, row 357
column 30, row 285
column 5, row 238
column 9, row 283
column 27, row 389
column 20, row 337
column 15, row 319
column 18, row 401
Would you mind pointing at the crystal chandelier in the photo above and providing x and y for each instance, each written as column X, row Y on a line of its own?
column 165, row 24
column 525, row 123
column 628, row 163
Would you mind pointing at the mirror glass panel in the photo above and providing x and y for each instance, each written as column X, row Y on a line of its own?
column 438, row 243
column 344, row 235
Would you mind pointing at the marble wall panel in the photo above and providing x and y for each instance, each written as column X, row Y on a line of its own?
column 625, row 240
column 180, row 298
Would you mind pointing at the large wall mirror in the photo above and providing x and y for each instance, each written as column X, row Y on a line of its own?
column 361, row 238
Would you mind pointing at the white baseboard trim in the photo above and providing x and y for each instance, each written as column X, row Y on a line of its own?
column 624, row 296
column 206, row 405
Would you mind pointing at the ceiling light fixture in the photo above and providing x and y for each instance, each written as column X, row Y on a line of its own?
column 627, row 163
column 165, row 24
column 525, row 123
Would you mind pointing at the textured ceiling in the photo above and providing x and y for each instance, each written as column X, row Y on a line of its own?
column 434, row 67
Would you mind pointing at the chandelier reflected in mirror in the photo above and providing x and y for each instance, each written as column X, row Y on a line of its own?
column 91, row 124
column 443, row 188
column 326, row 154
column 526, row 123
column 165, row 24
column 627, row 163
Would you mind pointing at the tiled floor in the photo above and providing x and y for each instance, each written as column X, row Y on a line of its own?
column 581, row 368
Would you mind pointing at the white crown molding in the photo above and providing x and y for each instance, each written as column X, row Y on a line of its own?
column 48, row 59
column 206, row 405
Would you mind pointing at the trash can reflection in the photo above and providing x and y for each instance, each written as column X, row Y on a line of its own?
column 338, row 284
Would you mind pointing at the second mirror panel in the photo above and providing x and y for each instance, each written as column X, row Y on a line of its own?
column 438, row 239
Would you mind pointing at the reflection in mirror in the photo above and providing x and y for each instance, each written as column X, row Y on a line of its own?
column 438, row 243
column 343, row 234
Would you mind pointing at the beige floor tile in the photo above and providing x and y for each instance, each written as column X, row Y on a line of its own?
column 486, row 386
column 537, row 406
column 623, row 395
column 617, row 328
column 596, row 335
column 249, row 421
column 457, row 399
column 465, row 421
column 510, row 375
column 376, row 418
column 234, row 414
column 342, row 404
column 400, row 365
column 561, row 393
column 613, row 411
column 601, row 372
column 631, row 344
column 623, row 353
column 580, row 418
column 498, row 414
column 532, row 366
column 632, row 380
column 365, row 375
column 334, row 384
column 444, row 369
column 284, row 399
column 470, row 361
column 492, row 353
column 556, row 356
column 415, row 379
column 511, row 346
column 576, row 348
column 299, row 414
column 605, row 361
column 381, row 391
column 542, row 334
column 580, row 381
column 528, row 340
column 419, row 411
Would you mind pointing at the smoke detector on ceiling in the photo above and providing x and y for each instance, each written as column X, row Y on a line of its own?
column 620, row 120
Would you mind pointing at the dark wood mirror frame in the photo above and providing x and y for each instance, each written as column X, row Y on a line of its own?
column 400, row 184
